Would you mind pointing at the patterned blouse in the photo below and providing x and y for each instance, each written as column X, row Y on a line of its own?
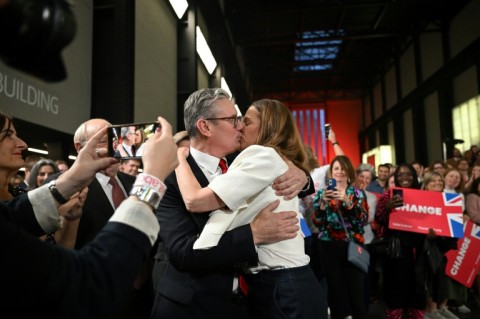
column 329, row 222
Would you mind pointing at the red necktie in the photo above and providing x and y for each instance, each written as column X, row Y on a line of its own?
column 242, row 284
column 223, row 166
column 117, row 193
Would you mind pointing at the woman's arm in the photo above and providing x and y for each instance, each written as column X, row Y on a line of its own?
column 335, row 144
column 382, row 212
column 71, row 212
column 196, row 198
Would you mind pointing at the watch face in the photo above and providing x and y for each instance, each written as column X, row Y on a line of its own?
column 146, row 194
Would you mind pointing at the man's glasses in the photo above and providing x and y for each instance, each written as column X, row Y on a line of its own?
column 232, row 119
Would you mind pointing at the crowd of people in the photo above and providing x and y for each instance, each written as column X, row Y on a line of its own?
column 359, row 209
column 246, row 225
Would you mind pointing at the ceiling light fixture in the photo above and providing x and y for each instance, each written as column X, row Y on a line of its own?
column 224, row 85
column 36, row 150
column 204, row 52
column 179, row 6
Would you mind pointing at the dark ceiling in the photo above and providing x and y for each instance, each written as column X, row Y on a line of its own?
column 368, row 35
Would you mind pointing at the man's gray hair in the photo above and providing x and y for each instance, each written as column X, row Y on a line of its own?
column 124, row 131
column 200, row 105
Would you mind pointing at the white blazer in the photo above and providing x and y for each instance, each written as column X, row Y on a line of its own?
column 246, row 189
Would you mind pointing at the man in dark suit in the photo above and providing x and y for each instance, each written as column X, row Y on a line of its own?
column 99, row 206
column 47, row 281
column 202, row 283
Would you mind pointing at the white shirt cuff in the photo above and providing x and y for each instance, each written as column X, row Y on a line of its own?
column 45, row 209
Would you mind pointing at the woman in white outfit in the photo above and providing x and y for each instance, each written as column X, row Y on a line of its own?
column 282, row 285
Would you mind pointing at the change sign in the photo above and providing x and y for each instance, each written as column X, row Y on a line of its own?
column 463, row 264
column 423, row 210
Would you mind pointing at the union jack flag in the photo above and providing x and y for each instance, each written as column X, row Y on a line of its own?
column 451, row 199
column 304, row 228
column 475, row 231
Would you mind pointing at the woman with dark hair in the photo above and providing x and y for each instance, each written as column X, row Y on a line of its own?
column 340, row 215
column 402, row 290
column 11, row 160
column 11, row 148
column 282, row 285
column 40, row 172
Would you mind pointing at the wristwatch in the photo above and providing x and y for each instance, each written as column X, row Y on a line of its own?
column 146, row 194
column 52, row 186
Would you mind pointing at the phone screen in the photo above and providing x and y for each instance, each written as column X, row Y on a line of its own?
column 331, row 183
column 327, row 130
column 126, row 141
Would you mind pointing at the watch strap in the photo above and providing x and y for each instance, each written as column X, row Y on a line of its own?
column 52, row 186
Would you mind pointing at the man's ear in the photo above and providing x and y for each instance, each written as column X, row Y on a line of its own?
column 77, row 146
column 204, row 128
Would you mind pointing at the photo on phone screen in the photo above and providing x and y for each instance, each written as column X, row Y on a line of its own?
column 331, row 184
column 327, row 130
column 126, row 141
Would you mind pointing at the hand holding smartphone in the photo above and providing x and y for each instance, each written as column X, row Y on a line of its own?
column 327, row 130
column 331, row 184
column 399, row 193
column 125, row 141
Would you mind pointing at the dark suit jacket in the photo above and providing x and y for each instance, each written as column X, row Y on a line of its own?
column 197, row 283
column 41, row 280
column 97, row 209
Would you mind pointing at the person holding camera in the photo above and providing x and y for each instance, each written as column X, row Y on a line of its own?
column 46, row 281
column 400, row 290
column 340, row 213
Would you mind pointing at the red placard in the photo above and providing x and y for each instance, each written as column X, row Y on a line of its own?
column 423, row 210
column 463, row 264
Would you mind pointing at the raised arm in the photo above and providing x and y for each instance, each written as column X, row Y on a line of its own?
column 295, row 182
column 196, row 198
column 335, row 144
column 71, row 212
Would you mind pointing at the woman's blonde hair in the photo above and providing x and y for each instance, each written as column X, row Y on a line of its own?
column 279, row 131
column 312, row 161
column 428, row 177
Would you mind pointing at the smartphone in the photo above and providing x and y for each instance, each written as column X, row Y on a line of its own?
column 327, row 130
column 399, row 192
column 331, row 184
column 126, row 141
